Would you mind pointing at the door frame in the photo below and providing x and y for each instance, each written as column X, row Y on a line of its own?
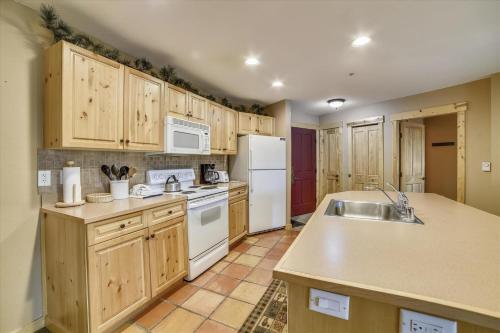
column 321, row 152
column 459, row 108
column 379, row 120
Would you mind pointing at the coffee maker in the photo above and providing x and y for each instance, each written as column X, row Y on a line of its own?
column 208, row 174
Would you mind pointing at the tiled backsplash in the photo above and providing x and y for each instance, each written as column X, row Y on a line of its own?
column 93, row 180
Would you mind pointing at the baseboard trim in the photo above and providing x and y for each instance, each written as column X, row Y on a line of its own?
column 31, row 327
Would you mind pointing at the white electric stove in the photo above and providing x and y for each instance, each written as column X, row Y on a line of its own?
column 207, row 211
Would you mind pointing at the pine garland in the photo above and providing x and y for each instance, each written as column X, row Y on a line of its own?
column 63, row 31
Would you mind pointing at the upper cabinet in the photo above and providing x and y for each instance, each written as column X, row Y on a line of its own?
column 223, row 124
column 186, row 105
column 84, row 103
column 143, row 116
column 231, row 131
column 249, row 123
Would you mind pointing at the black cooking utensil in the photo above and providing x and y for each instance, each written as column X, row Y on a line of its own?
column 115, row 171
column 124, row 172
column 107, row 171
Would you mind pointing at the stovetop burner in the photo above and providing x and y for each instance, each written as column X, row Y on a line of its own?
column 188, row 192
column 209, row 187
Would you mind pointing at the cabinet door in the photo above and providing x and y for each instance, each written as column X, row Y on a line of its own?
column 92, row 100
column 247, row 123
column 197, row 108
column 266, row 125
column 168, row 254
column 215, row 120
column 237, row 220
column 143, row 116
column 119, row 279
column 230, row 137
column 177, row 101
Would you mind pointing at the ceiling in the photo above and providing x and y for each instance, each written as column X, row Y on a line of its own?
column 416, row 46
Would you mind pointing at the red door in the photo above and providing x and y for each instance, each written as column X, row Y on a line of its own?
column 303, row 171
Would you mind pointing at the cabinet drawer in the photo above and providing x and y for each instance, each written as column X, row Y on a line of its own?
column 240, row 191
column 108, row 229
column 165, row 213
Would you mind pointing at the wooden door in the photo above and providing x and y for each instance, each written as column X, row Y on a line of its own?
column 216, row 120
column 143, row 116
column 92, row 101
column 119, row 279
column 168, row 254
column 303, row 171
column 367, row 157
column 237, row 219
column 231, row 138
column 412, row 145
column 177, row 101
column 197, row 108
column 247, row 123
column 331, row 159
column 266, row 125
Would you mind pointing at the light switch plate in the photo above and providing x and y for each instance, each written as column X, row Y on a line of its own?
column 486, row 166
column 416, row 322
column 329, row 303
column 43, row 178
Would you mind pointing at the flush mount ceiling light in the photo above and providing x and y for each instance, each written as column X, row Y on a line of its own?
column 277, row 84
column 252, row 61
column 361, row 41
column 336, row 103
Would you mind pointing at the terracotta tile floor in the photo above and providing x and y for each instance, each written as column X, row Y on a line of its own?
column 220, row 299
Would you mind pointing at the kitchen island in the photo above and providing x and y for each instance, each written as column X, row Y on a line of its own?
column 448, row 267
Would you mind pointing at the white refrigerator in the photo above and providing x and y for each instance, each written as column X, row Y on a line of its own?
column 261, row 162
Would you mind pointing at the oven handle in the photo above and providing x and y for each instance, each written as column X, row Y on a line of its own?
column 205, row 202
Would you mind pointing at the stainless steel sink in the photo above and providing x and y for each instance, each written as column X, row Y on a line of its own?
column 373, row 211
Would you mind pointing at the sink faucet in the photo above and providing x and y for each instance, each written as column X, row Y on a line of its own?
column 403, row 203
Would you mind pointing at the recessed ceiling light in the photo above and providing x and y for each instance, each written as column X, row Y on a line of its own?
column 252, row 61
column 336, row 103
column 277, row 84
column 361, row 41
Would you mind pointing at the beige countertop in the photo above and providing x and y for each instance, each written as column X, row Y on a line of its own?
column 92, row 212
column 449, row 266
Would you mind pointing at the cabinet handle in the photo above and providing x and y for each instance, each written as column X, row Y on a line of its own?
column 127, row 141
column 152, row 235
column 147, row 237
column 170, row 212
column 122, row 225
column 121, row 140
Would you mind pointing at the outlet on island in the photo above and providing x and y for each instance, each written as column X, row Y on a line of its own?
column 415, row 322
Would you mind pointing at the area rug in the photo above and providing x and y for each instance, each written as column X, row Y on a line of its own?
column 301, row 219
column 270, row 314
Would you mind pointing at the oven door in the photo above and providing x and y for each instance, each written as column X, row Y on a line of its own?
column 207, row 223
column 184, row 140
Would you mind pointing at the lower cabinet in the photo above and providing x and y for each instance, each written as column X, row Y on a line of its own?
column 100, row 274
column 168, row 254
column 119, row 279
column 238, row 214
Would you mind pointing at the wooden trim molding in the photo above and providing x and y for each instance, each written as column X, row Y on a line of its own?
column 366, row 121
column 459, row 109
column 335, row 124
column 431, row 111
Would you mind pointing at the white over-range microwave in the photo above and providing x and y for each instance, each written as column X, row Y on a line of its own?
column 186, row 137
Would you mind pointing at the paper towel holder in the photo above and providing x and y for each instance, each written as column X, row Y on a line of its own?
column 74, row 203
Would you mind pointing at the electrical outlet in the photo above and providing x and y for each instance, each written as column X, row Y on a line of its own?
column 43, row 178
column 415, row 322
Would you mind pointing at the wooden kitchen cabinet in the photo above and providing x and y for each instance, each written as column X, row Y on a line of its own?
column 231, row 131
column 143, row 116
column 249, row 123
column 119, row 279
column 238, row 213
column 99, row 274
column 83, row 104
column 169, row 258
column 197, row 108
column 177, row 101
column 223, row 124
column 91, row 102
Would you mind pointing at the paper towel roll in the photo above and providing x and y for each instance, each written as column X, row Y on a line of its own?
column 72, row 191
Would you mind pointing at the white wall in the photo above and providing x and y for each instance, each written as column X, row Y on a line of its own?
column 481, row 190
column 301, row 116
column 20, row 134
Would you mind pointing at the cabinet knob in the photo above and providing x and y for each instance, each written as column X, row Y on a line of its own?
column 170, row 212
column 127, row 141
column 121, row 140
column 147, row 237
column 152, row 235
column 122, row 225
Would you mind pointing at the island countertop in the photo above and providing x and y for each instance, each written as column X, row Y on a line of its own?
column 450, row 266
